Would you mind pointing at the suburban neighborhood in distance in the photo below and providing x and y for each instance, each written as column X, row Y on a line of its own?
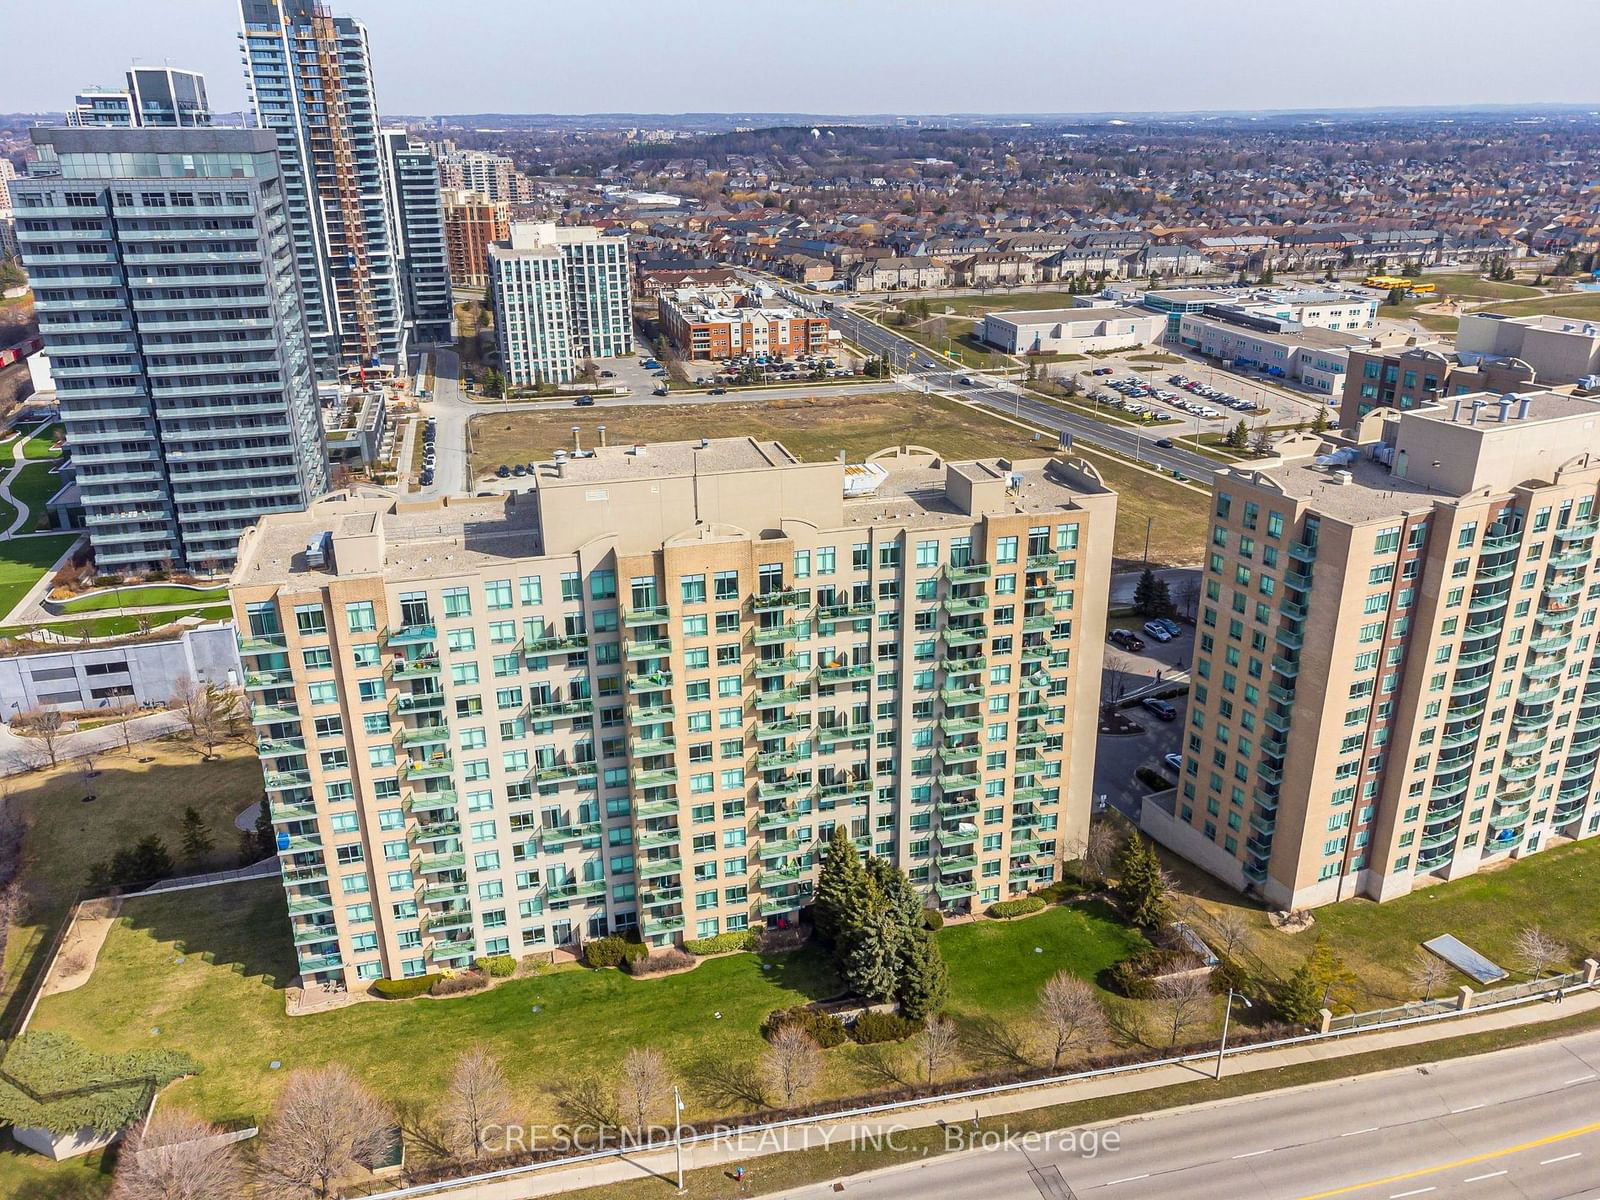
column 934, row 631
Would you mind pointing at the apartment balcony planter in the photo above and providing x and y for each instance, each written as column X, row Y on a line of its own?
column 660, row 868
column 767, row 668
column 774, row 601
column 565, row 643
column 412, row 635
column 633, row 618
column 657, row 648
column 844, row 673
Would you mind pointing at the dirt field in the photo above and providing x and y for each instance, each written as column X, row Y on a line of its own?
column 817, row 428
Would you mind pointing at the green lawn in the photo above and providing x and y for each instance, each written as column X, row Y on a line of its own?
column 23, row 561
column 41, row 443
column 224, row 1004
column 89, row 626
column 1558, row 889
column 979, row 303
column 1584, row 305
column 145, row 596
column 1474, row 287
column 33, row 486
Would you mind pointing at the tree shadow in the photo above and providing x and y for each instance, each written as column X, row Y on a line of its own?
column 241, row 926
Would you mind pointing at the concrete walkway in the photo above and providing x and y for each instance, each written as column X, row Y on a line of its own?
column 736, row 1150
column 19, row 755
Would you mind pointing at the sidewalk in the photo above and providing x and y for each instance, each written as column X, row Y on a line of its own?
column 816, row 1134
column 17, row 753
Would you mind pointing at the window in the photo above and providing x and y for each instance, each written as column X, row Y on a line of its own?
column 1005, row 550
column 692, row 589
column 457, row 602
column 310, row 619
column 360, row 617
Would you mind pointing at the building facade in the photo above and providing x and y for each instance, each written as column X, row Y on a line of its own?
column 1072, row 330
column 472, row 223
column 1317, row 358
column 165, row 287
column 642, row 698
column 416, row 214
column 561, row 295
column 1393, row 679
column 138, row 671
column 1556, row 349
column 154, row 98
column 309, row 79
column 718, row 325
column 493, row 175
column 1412, row 376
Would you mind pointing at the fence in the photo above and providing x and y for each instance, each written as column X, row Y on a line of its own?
column 1552, row 985
column 1466, row 1000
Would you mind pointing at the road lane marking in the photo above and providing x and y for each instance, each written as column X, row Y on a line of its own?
column 1128, row 1179
column 1359, row 1132
column 1416, row 1192
column 1253, row 1153
column 1489, row 1156
column 1490, row 1175
column 1581, row 1078
column 1468, row 1108
column 1545, row 1162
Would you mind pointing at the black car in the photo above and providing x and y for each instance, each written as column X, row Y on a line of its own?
column 1126, row 640
column 717, row 392
column 1160, row 707
column 584, row 401
column 503, row 471
column 1164, row 443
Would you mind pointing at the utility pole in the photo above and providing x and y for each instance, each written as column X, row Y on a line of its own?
column 1227, row 1012
column 1148, row 522
column 677, row 1131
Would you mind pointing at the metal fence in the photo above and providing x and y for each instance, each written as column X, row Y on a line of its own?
column 1551, row 985
column 1511, row 993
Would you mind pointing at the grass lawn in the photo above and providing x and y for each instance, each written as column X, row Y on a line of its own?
column 33, row 486
column 132, row 799
column 25, row 1175
column 116, row 625
column 1473, row 287
column 1583, row 305
column 817, row 428
column 957, row 338
column 1558, row 889
column 42, row 443
column 145, row 596
column 980, row 303
column 224, row 1004
column 23, row 561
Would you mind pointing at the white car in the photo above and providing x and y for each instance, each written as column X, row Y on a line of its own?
column 1157, row 631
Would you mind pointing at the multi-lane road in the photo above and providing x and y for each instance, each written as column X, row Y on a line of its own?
column 1520, row 1124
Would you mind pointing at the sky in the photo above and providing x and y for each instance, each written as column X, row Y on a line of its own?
column 863, row 56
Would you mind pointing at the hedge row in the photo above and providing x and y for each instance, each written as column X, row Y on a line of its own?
column 404, row 989
column 501, row 966
column 722, row 943
column 872, row 1027
column 826, row 1030
column 1019, row 907
column 613, row 951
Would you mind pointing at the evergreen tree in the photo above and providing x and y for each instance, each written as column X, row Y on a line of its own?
column 1267, row 277
column 1300, row 999
column 904, row 903
column 266, row 835
column 1323, row 421
column 1397, row 297
column 1163, row 599
column 1141, row 888
column 843, row 890
column 1145, row 594
column 924, row 982
column 197, row 841
column 868, row 961
column 1238, row 437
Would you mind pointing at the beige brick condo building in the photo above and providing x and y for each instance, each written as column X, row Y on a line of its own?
column 1396, row 678
column 641, row 694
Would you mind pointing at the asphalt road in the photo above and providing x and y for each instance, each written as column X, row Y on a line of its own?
column 1521, row 1124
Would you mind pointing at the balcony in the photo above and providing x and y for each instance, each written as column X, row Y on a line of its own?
column 831, row 734
column 310, row 905
column 661, row 926
column 651, row 838
column 1302, row 552
column 971, row 572
column 562, row 643
column 282, row 781
column 445, row 891
column 768, row 668
column 1495, row 572
column 1271, row 774
column 653, row 648
column 960, row 697
column 1472, row 686
column 966, row 635
column 1514, row 773
column 1285, row 667
column 953, row 782
column 403, row 669
column 665, row 806
column 439, row 831
column 771, row 635
column 1577, row 532
column 413, row 635
column 788, row 598
column 959, row 835
column 431, row 802
column 453, row 950
column 655, row 777
column 437, row 767
column 280, row 747
column 1534, row 697
column 658, row 868
column 262, row 643
column 783, row 727
column 845, row 610
column 633, row 618
column 661, row 897
column 447, row 920
column 418, row 702
column 434, row 864
column 844, row 673
column 771, row 760
column 424, row 735
column 1300, row 581
column 847, row 790
column 565, row 772
column 318, row 964
column 562, row 708
column 272, row 714
column 652, row 681
column 1552, row 644
column 778, row 906
column 649, row 714
column 960, row 605
column 1563, row 591
column 780, row 789
column 959, row 726
column 292, row 810
column 972, row 664
column 1443, row 812
column 258, row 680
column 951, row 754
column 770, row 821
column 651, row 746
column 559, row 835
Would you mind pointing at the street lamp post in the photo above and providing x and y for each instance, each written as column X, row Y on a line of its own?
column 1227, row 1012
column 677, row 1131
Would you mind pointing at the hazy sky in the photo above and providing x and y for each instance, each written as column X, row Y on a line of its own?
column 912, row 56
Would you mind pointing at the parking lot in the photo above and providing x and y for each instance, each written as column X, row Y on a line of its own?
column 1118, row 756
column 1280, row 401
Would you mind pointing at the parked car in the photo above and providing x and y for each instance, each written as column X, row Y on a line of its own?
column 1170, row 625
column 584, row 402
column 1104, row 371
column 1174, row 762
column 608, row 374
column 1157, row 630
column 503, row 471
column 519, row 470
column 1160, row 707
column 1126, row 639
column 660, row 391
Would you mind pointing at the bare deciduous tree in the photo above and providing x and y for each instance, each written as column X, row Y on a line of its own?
column 937, row 1045
column 1117, row 668
column 1181, row 1004
column 997, row 1045
column 1230, row 928
column 1101, row 845
column 170, row 1158
column 324, row 1126
column 1069, row 1014
column 210, row 713
column 45, row 731
column 791, row 1064
column 1427, row 973
column 644, row 1085
column 477, row 1101
column 1536, row 950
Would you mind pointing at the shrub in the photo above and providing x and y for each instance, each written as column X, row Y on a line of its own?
column 670, row 959
column 404, row 989
column 826, row 1030
column 1153, row 779
column 156, row 576
column 455, row 985
column 500, row 966
column 1020, row 907
column 604, row 952
column 1060, row 890
column 744, row 939
column 1134, row 977
column 932, row 919
column 872, row 1027
column 107, row 580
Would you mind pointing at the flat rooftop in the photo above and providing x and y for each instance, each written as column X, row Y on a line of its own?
column 657, row 460
column 1043, row 316
column 1524, row 409
column 1372, row 493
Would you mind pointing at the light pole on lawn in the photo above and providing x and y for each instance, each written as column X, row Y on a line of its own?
column 1227, row 1013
